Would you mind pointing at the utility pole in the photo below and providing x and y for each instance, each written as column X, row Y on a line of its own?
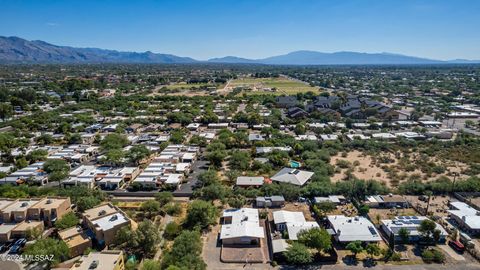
column 429, row 194
column 455, row 174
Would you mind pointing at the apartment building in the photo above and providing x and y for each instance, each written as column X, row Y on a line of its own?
column 104, row 221
column 51, row 209
column 76, row 240
column 104, row 260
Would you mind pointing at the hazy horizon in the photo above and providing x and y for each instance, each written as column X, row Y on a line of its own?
column 441, row 30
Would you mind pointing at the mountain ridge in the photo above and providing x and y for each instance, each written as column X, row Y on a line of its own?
column 18, row 50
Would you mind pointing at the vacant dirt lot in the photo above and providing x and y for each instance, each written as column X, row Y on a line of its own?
column 438, row 204
column 376, row 214
column 388, row 168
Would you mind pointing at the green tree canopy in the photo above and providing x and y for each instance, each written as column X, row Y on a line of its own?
column 404, row 235
column 317, row 238
column 185, row 252
column 47, row 247
column 68, row 220
column 114, row 141
column 164, row 197
column 239, row 160
column 298, row 253
column 355, row 247
column 201, row 214
column 137, row 153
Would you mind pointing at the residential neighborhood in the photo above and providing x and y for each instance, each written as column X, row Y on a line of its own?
column 227, row 135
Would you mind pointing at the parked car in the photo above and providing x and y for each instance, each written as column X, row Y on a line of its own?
column 457, row 246
column 21, row 242
column 15, row 249
column 6, row 246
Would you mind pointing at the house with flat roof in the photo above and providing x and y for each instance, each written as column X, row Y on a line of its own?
column 270, row 201
column 349, row 229
column 50, row 209
column 266, row 150
column 411, row 223
column 386, row 201
column 292, row 222
column 6, row 231
column 76, row 240
column 359, row 136
column 306, row 137
column 292, row 176
column 335, row 199
column 3, row 204
column 241, row 227
column 250, row 181
column 83, row 175
column 328, row 137
column 34, row 173
column 19, row 211
column 20, row 231
column 115, row 177
column 104, row 222
column 193, row 126
column 467, row 217
column 168, row 169
column 255, row 137
column 410, row 135
column 104, row 260
column 384, row 136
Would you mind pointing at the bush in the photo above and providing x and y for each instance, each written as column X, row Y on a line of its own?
column 298, row 254
column 433, row 255
column 200, row 215
column 185, row 252
column 67, row 221
column 396, row 257
column 173, row 209
column 172, row 230
column 48, row 247
column 164, row 197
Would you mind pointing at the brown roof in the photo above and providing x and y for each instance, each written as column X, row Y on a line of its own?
column 393, row 198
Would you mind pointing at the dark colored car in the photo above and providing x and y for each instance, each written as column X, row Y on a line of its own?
column 15, row 249
column 21, row 242
column 6, row 246
column 457, row 246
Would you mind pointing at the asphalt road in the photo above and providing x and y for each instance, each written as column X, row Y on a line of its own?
column 187, row 188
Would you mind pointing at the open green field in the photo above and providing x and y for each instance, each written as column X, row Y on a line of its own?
column 185, row 86
column 261, row 86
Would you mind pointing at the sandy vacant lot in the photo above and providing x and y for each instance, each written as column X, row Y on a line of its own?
column 366, row 167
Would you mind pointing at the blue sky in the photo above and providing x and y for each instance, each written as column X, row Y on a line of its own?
column 439, row 29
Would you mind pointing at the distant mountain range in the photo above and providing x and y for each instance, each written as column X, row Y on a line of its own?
column 18, row 50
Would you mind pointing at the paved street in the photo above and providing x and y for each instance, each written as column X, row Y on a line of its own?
column 187, row 188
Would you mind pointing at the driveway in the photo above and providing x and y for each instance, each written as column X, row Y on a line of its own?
column 211, row 254
column 452, row 253
column 186, row 189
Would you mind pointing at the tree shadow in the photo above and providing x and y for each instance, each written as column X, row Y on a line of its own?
column 350, row 260
column 369, row 262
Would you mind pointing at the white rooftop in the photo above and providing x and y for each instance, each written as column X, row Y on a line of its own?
column 110, row 221
column 411, row 223
column 245, row 223
column 468, row 214
column 292, row 176
column 348, row 229
column 284, row 216
column 250, row 181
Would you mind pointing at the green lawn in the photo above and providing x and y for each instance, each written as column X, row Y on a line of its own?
column 283, row 85
column 185, row 86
